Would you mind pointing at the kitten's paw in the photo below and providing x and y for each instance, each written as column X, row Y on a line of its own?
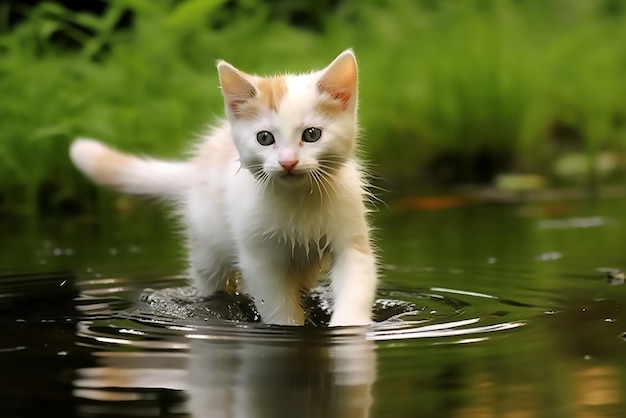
column 290, row 316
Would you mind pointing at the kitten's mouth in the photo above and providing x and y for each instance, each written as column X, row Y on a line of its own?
column 291, row 174
column 291, row 177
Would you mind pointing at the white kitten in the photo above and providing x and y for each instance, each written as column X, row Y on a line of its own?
column 272, row 193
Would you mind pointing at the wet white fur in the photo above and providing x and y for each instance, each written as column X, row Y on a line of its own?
column 241, row 215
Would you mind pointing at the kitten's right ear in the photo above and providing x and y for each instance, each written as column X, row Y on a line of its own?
column 236, row 88
column 339, row 79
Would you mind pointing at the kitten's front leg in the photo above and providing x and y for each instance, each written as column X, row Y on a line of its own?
column 277, row 297
column 353, row 282
column 209, row 267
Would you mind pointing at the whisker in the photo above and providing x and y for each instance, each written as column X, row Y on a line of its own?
column 373, row 199
column 315, row 178
column 324, row 181
column 263, row 181
column 327, row 178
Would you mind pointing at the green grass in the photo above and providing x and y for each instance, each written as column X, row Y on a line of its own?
column 437, row 78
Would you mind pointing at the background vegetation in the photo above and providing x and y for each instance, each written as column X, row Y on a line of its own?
column 451, row 91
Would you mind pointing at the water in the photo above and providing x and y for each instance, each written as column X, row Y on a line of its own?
column 483, row 311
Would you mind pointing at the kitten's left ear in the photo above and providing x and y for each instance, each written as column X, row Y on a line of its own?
column 236, row 88
column 339, row 79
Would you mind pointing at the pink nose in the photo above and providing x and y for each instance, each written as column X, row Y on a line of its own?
column 288, row 165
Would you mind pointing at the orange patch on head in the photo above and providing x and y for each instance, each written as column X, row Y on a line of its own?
column 271, row 91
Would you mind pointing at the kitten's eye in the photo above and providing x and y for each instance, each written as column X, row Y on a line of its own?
column 265, row 138
column 311, row 134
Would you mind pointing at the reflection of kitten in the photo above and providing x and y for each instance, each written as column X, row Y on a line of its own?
column 272, row 192
column 241, row 376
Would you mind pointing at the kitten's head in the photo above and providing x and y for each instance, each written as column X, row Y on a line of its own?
column 295, row 127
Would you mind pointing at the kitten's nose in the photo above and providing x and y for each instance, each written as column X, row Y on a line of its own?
column 288, row 165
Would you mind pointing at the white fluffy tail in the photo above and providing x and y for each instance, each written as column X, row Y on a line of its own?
column 128, row 173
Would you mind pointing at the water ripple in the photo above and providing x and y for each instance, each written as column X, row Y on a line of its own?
column 156, row 313
column 170, row 318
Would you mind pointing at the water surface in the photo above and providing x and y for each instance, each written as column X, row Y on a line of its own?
column 483, row 311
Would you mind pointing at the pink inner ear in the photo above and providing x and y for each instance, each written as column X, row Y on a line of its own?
column 235, row 104
column 343, row 96
column 339, row 94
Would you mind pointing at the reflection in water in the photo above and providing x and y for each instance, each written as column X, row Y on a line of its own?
column 481, row 314
column 314, row 375
column 305, row 378
column 175, row 354
column 598, row 386
column 596, row 392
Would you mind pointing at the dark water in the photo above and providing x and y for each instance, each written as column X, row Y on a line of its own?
column 483, row 311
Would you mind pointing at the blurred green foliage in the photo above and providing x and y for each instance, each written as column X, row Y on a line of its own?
column 450, row 90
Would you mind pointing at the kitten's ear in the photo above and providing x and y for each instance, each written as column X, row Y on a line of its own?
column 339, row 79
column 236, row 88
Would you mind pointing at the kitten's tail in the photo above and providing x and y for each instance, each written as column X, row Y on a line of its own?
column 128, row 173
